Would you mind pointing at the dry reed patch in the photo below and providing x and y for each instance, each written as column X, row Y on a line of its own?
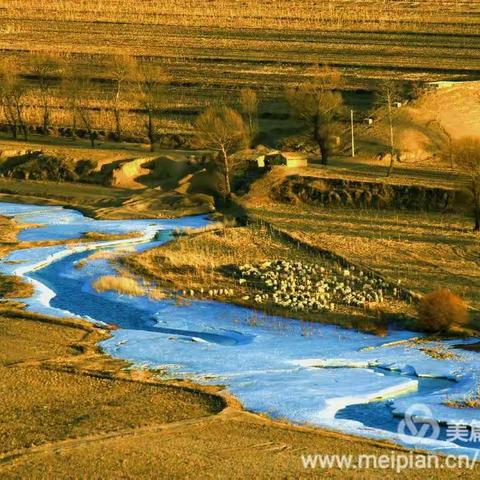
column 12, row 286
column 156, row 293
column 122, row 285
column 104, row 237
column 109, row 255
column 471, row 400
column 440, row 352
column 8, row 233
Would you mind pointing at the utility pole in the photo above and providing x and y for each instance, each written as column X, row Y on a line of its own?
column 353, row 133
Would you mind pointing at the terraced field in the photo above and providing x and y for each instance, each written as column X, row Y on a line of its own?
column 213, row 47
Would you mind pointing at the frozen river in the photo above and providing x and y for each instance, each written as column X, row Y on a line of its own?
column 321, row 375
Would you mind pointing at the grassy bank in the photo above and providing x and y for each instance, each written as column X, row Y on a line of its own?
column 206, row 266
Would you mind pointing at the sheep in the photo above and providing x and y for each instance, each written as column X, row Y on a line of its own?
column 304, row 286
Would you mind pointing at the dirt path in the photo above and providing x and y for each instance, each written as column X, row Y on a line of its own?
column 73, row 443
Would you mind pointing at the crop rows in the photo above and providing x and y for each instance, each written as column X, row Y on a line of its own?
column 212, row 48
column 446, row 15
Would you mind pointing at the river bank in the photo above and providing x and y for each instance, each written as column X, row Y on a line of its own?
column 252, row 267
column 71, row 412
column 191, row 342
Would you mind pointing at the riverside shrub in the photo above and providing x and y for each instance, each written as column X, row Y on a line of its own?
column 440, row 310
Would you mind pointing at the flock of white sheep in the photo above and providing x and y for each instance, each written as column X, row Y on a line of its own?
column 308, row 287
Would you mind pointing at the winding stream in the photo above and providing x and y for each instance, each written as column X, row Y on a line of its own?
column 271, row 364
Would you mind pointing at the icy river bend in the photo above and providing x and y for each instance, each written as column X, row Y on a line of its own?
column 331, row 377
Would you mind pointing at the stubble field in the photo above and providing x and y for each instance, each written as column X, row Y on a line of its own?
column 213, row 48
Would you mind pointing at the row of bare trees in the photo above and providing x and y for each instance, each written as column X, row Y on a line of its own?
column 317, row 102
column 140, row 83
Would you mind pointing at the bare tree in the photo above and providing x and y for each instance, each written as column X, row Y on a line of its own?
column 45, row 68
column 7, row 86
column 222, row 129
column 72, row 88
column 249, row 108
column 84, row 103
column 150, row 80
column 386, row 95
column 317, row 103
column 13, row 91
column 122, row 69
column 466, row 155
